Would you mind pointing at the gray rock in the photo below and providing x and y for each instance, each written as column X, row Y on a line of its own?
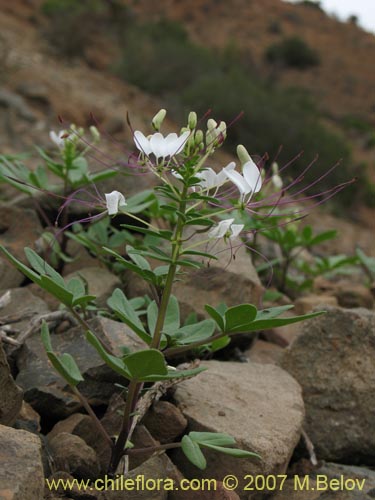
column 11, row 394
column 259, row 405
column 335, row 471
column 333, row 360
column 264, row 352
column 47, row 392
column 71, row 454
column 21, row 471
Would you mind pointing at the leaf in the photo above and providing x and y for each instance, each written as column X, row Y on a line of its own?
column 122, row 307
column 174, row 374
column 196, row 332
column 137, row 258
column 152, row 316
column 237, row 318
column 113, row 362
column 214, row 438
column 61, row 293
column 172, row 316
column 265, row 324
column 272, row 312
column 220, row 343
column 193, row 452
column 146, row 363
column 234, row 452
column 215, row 315
column 327, row 235
column 42, row 267
column 29, row 273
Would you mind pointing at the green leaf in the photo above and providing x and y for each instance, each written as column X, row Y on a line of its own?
column 46, row 338
column 327, row 235
column 42, row 267
column 196, row 332
column 137, row 258
column 214, row 438
column 266, row 324
column 113, row 362
column 220, row 343
column 172, row 316
column 152, row 316
column 193, row 452
column 146, row 363
column 122, row 307
column 76, row 287
column 174, row 374
column 237, row 318
column 61, row 293
column 215, row 315
column 272, row 312
column 234, row 452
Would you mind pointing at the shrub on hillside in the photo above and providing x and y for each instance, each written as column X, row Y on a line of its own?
column 292, row 52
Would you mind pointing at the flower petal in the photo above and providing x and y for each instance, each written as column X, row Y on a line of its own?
column 252, row 176
column 157, row 142
column 221, row 229
column 238, row 180
column 236, row 229
column 142, row 143
column 180, row 143
column 114, row 200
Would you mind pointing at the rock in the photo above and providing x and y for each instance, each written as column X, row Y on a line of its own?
column 150, row 471
column 344, row 495
column 291, row 492
column 332, row 470
column 349, row 294
column 18, row 228
column 11, row 394
column 28, row 419
column 283, row 335
column 71, row 454
column 83, row 426
column 264, row 352
column 165, row 422
column 304, row 305
column 21, row 471
column 100, row 282
column 81, row 258
column 259, row 405
column 34, row 91
column 21, row 306
column 54, row 489
column 47, row 392
column 333, row 360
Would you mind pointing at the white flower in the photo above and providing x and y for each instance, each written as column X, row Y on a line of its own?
column 210, row 179
column 114, row 201
column 225, row 229
column 59, row 138
column 159, row 145
column 248, row 183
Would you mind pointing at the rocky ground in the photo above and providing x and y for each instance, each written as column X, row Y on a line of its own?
column 283, row 393
column 302, row 396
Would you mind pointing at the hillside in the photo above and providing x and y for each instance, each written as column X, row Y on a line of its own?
column 37, row 83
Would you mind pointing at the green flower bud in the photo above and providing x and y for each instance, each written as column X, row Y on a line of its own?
column 95, row 133
column 275, row 168
column 192, row 120
column 242, row 154
column 211, row 124
column 199, row 137
column 158, row 119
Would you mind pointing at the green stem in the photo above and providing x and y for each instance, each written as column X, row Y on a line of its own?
column 176, row 247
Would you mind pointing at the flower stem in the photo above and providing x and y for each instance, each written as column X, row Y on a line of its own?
column 176, row 247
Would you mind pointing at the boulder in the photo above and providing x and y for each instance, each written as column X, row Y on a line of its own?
column 333, row 361
column 21, row 471
column 165, row 422
column 261, row 406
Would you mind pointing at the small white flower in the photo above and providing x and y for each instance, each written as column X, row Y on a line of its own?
column 160, row 146
column 210, row 179
column 277, row 181
column 248, row 183
column 225, row 229
column 59, row 138
column 114, row 201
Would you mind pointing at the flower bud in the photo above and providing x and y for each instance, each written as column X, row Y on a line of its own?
column 242, row 154
column 158, row 119
column 95, row 133
column 199, row 137
column 275, row 168
column 211, row 124
column 192, row 120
